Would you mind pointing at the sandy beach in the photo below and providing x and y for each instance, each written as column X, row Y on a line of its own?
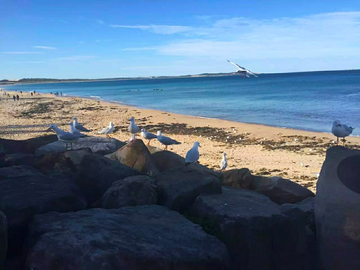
column 269, row 151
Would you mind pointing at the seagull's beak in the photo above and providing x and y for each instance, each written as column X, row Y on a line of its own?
column 49, row 129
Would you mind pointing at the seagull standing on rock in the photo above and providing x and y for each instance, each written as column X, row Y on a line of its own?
column 341, row 130
column 79, row 126
column 62, row 135
column 223, row 163
column 74, row 130
column 193, row 154
column 133, row 128
column 107, row 130
column 147, row 135
column 166, row 140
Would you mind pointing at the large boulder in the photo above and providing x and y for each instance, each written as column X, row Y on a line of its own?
column 337, row 208
column 135, row 155
column 131, row 191
column 98, row 145
column 16, row 159
column 167, row 160
column 23, row 197
column 96, row 174
column 180, row 187
column 240, row 178
column 3, row 239
column 280, row 190
column 141, row 237
column 18, row 171
column 254, row 230
column 26, row 146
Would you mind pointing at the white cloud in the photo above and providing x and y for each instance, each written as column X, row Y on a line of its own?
column 75, row 58
column 157, row 29
column 99, row 21
column 44, row 47
column 140, row 49
column 20, row 53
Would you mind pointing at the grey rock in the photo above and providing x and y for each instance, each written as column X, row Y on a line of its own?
column 337, row 208
column 26, row 146
column 18, row 171
column 280, row 190
column 3, row 239
column 140, row 237
column 98, row 145
column 135, row 155
column 256, row 233
column 180, row 187
column 131, row 191
column 96, row 174
column 23, row 197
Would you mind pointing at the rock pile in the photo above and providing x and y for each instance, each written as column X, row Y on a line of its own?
column 140, row 209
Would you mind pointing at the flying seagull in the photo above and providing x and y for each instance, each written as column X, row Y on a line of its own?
column 341, row 130
column 165, row 140
column 147, row 135
column 79, row 126
column 193, row 154
column 109, row 129
column 242, row 71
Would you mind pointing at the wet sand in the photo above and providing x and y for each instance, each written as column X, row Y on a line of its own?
column 269, row 151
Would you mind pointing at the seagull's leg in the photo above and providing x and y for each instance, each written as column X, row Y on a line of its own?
column 165, row 147
column 337, row 140
column 148, row 143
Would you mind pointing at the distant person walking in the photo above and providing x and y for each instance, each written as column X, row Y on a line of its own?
column 14, row 98
column 17, row 97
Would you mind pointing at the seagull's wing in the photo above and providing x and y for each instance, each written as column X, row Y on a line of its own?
column 168, row 141
column 192, row 155
column 81, row 128
column 239, row 67
column 251, row 73
column 348, row 129
column 104, row 130
column 150, row 136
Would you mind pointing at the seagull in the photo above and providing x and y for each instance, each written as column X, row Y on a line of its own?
column 132, row 138
column 242, row 71
column 166, row 140
column 133, row 128
column 62, row 135
column 340, row 130
column 74, row 130
column 193, row 154
column 223, row 163
column 107, row 130
column 79, row 126
column 147, row 135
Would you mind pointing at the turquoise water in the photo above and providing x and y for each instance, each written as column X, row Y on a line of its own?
column 308, row 101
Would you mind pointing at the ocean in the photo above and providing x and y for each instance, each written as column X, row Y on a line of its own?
column 306, row 100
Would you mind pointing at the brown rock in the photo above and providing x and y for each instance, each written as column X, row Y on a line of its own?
column 131, row 191
column 280, row 190
column 240, row 178
column 136, row 155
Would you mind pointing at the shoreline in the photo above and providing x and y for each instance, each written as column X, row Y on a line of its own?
column 266, row 150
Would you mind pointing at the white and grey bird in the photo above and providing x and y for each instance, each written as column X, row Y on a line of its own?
column 79, row 126
column 193, row 154
column 341, row 130
column 223, row 163
column 64, row 136
column 109, row 129
column 133, row 128
column 147, row 135
column 132, row 138
column 165, row 140
column 242, row 71
column 74, row 130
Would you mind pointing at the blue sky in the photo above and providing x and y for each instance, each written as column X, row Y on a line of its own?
column 99, row 39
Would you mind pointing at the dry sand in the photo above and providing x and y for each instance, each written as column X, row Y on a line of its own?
column 269, row 151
